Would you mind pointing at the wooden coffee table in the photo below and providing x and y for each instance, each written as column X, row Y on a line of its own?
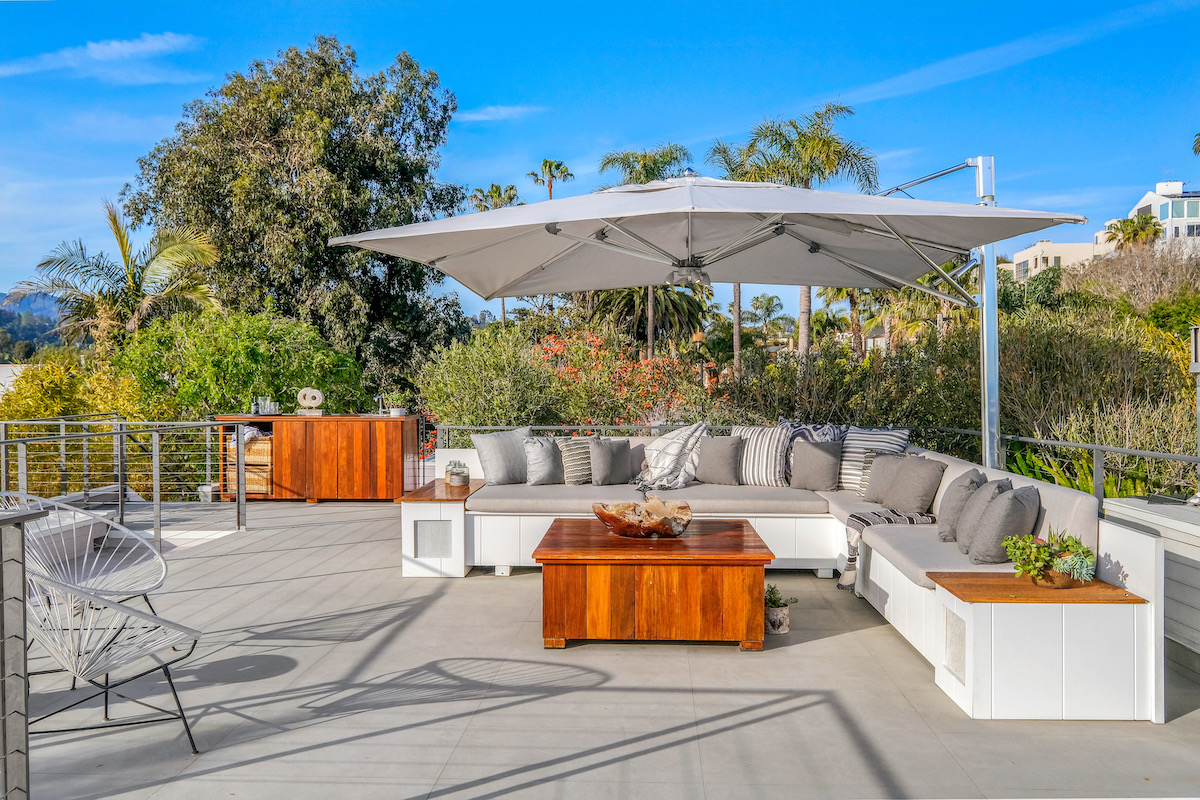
column 706, row 585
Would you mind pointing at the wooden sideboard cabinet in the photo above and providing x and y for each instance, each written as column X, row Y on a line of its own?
column 335, row 457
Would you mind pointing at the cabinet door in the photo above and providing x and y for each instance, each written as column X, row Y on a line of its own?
column 289, row 459
column 389, row 459
column 321, row 469
column 355, row 460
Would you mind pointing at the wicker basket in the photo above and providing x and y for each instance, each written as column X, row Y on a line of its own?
column 258, row 450
column 258, row 478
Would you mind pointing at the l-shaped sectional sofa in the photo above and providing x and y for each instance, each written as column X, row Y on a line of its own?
column 806, row 530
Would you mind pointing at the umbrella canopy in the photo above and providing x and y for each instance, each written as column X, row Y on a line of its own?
column 697, row 228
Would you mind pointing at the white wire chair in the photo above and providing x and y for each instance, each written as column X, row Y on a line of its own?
column 92, row 637
column 85, row 549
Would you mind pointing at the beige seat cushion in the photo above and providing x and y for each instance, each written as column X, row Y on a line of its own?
column 710, row 498
column 916, row 550
column 520, row 498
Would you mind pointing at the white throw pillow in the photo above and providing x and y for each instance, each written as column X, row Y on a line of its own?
column 670, row 459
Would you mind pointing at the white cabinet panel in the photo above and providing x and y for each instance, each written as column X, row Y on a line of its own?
column 1099, row 667
column 1027, row 661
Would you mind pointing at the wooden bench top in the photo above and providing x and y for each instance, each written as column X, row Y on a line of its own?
column 1007, row 587
column 711, row 541
column 438, row 491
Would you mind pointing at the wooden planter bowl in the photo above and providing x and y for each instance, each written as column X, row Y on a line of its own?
column 1057, row 580
column 642, row 520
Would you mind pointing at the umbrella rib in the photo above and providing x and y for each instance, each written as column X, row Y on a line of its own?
column 953, row 284
column 763, row 238
column 574, row 246
column 713, row 256
column 640, row 240
column 629, row 251
column 473, row 250
column 950, row 248
column 891, row 281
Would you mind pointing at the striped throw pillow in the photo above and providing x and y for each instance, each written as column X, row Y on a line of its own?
column 855, row 446
column 577, row 460
column 763, row 452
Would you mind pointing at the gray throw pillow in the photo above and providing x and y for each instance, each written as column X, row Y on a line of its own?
column 543, row 461
column 956, row 496
column 718, row 459
column 815, row 465
column 879, row 471
column 910, row 482
column 1009, row 514
column 610, row 461
column 502, row 455
column 973, row 509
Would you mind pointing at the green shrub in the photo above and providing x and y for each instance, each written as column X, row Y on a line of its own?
column 194, row 366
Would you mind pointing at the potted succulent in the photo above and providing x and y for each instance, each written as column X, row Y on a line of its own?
column 1057, row 562
column 777, row 610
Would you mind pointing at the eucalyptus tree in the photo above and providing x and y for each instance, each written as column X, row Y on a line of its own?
column 493, row 197
column 643, row 166
column 292, row 151
column 551, row 171
column 101, row 298
column 809, row 152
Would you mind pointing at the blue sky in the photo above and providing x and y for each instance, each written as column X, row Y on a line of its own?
column 1084, row 105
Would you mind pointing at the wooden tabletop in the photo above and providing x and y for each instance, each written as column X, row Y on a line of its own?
column 304, row 417
column 438, row 491
column 1007, row 587
column 706, row 541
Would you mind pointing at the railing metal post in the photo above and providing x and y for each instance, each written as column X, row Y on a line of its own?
column 208, row 456
column 14, row 666
column 22, row 468
column 62, row 458
column 157, row 486
column 4, row 457
column 1098, row 474
column 87, row 464
column 120, row 445
column 238, row 431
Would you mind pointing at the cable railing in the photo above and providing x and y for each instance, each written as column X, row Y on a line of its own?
column 1050, row 460
column 107, row 459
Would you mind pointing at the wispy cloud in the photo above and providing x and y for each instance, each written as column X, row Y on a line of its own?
column 993, row 59
column 116, row 126
column 128, row 61
column 495, row 113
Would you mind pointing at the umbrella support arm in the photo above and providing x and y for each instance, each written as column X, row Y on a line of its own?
column 953, row 284
column 553, row 228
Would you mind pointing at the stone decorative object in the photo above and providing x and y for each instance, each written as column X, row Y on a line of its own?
column 655, row 517
column 310, row 400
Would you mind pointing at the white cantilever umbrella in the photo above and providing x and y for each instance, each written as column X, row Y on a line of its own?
column 696, row 228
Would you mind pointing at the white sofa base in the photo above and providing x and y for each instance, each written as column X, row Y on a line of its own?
column 798, row 542
column 1040, row 660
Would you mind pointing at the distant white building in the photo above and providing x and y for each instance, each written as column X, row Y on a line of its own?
column 1177, row 209
column 1046, row 254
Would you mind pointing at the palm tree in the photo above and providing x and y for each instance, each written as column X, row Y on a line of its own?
column 1134, row 231
column 1196, row 145
column 680, row 313
column 491, row 198
column 551, row 171
column 736, row 314
column 99, row 297
column 858, row 301
column 767, row 308
column 643, row 166
column 828, row 320
column 808, row 152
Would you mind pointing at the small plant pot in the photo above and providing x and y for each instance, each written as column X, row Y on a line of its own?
column 777, row 620
column 1057, row 580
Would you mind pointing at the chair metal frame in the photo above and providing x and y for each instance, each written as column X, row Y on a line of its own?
column 91, row 636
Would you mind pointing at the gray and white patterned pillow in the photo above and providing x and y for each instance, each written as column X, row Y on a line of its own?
column 855, row 446
column 577, row 460
column 669, row 458
column 764, row 450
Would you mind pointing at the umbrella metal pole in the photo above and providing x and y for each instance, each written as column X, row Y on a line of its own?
column 989, row 324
